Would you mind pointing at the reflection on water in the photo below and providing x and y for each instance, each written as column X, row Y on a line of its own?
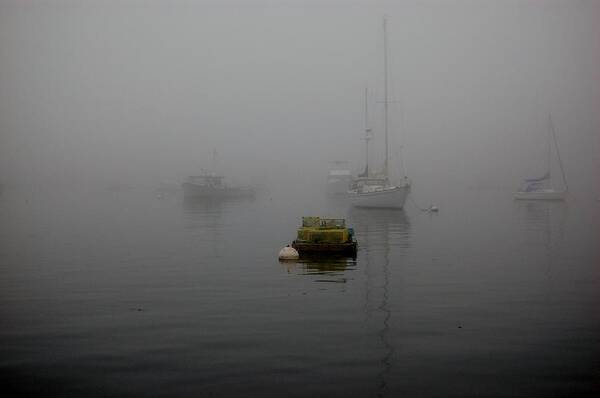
column 205, row 219
column 323, row 269
column 211, row 205
column 220, row 316
column 198, row 209
column 543, row 224
column 378, row 231
column 326, row 266
column 547, row 217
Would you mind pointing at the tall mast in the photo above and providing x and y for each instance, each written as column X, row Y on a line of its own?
column 214, row 160
column 367, row 132
column 549, row 149
column 385, row 94
column 562, row 170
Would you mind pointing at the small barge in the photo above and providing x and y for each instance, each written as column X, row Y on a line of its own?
column 325, row 236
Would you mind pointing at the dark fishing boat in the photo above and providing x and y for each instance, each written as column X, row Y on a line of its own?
column 211, row 186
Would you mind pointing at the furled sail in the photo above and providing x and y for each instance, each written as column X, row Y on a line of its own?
column 539, row 179
column 534, row 184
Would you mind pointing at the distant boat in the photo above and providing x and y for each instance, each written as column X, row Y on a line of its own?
column 209, row 185
column 377, row 191
column 542, row 188
column 339, row 178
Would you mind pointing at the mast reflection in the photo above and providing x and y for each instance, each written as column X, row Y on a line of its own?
column 543, row 225
column 378, row 232
column 204, row 220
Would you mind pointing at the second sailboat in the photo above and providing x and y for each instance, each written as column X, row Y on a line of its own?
column 377, row 191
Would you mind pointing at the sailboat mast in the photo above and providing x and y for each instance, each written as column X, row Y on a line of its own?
column 549, row 154
column 385, row 94
column 560, row 163
column 214, row 160
column 367, row 132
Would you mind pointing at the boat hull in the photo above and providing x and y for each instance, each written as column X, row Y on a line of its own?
column 385, row 198
column 202, row 191
column 541, row 195
column 307, row 248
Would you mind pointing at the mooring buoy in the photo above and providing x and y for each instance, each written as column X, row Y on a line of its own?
column 288, row 253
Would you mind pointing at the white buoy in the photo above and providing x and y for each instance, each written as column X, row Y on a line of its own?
column 288, row 253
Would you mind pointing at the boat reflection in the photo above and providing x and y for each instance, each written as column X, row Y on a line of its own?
column 204, row 220
column 543, row 222
column 195, row 205
column 210, row 208
column 542, row 225
column 202, row 214
column 379, row 232
column 199, row 203
column 324, row 268
column 384, row 241
column 329, row 266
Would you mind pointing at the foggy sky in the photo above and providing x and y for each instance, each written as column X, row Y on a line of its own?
column 143, row 91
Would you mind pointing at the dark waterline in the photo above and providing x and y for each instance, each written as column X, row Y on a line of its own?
column 136, row 294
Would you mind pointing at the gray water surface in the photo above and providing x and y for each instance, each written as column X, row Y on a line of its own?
column 134, row 293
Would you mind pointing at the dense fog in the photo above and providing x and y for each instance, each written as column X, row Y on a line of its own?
column 142, row 92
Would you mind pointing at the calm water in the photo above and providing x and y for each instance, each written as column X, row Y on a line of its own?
column 137, row 294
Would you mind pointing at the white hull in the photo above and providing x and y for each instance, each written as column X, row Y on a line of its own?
column 548, row 194
column 383, row 198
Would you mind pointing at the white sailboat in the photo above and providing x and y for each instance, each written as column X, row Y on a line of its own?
column 542, row 188
column 377, row 191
